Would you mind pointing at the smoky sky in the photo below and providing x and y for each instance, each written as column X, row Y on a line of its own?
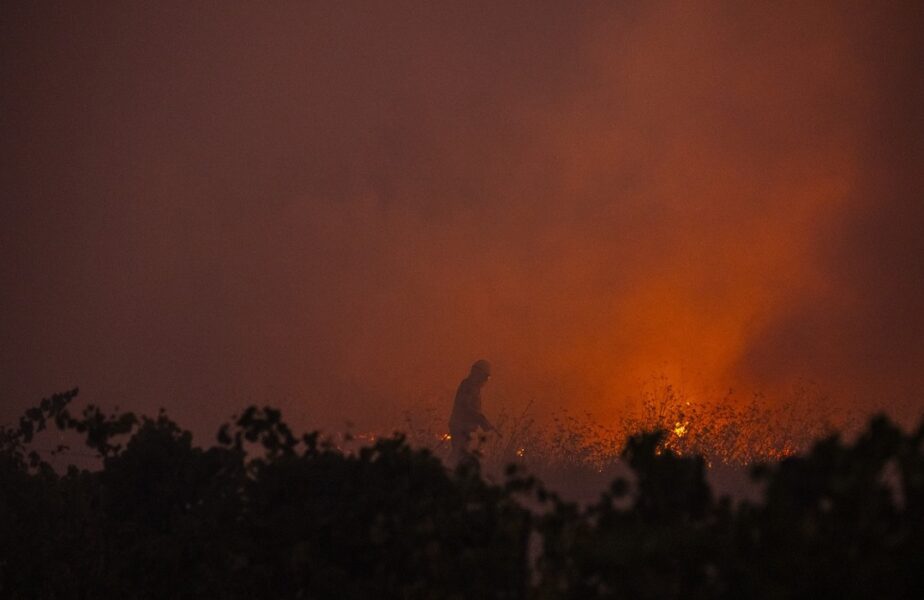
column 336, row 207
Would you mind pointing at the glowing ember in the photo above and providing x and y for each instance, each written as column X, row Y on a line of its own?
column 723, row 430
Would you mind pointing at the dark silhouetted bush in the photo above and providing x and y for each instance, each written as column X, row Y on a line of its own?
column 267, row 514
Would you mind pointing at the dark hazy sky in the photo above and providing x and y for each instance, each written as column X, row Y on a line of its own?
column 335, row 207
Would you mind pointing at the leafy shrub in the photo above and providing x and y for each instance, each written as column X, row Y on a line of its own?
column 268, row 514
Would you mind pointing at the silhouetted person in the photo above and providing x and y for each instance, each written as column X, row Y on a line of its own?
column 466, row 413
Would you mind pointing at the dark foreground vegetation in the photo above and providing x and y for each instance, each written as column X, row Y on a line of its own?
column 266, row 514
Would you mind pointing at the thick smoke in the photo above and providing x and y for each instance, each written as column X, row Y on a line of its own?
column 337, row 207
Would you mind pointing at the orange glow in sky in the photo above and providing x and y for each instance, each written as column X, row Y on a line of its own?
column 336, row 209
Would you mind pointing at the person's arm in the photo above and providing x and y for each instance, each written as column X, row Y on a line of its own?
column 480, row 419
column 486, row 425
column 471, row 401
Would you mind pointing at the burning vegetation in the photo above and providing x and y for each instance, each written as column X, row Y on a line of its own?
column 726, row 432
